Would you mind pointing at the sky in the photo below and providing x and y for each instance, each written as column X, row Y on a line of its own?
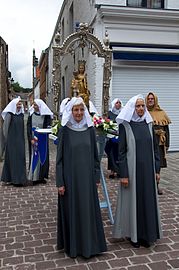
column 24, row 25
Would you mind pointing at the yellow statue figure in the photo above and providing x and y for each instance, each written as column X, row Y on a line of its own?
column 79, row 84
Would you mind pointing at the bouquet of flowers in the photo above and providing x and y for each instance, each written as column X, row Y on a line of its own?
column 105, row 125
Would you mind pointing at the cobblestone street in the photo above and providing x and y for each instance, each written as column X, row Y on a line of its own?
column 28, row 228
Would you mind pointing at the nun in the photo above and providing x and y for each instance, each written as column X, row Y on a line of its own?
column 40, row 116
column 14, row 169
column 111, row 147
column 137, row 214
column 92, row 108
column 80, row 228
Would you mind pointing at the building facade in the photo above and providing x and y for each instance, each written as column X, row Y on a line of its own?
column 4, row 86
column 43, row 69
column 144, row 38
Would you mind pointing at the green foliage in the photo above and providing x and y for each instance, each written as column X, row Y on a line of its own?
column 18, row 88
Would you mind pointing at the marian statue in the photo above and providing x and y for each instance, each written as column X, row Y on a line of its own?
column 79, row 86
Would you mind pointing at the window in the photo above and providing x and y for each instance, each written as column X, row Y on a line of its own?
column 134, row 3
column 158, row 4
column 71, row 20
column 62, row 30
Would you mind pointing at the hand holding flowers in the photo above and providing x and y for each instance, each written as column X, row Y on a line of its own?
column 56, row 124
column 103, row 124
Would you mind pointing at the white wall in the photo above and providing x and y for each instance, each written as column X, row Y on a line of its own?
column 138, row 26
column 144, row 36
column 172, row 4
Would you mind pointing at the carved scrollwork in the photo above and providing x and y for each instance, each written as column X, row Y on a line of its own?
column 93, row 50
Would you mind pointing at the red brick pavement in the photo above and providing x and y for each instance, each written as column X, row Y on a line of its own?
column 28, row 229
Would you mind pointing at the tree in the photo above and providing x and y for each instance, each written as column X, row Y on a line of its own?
column 17, row 88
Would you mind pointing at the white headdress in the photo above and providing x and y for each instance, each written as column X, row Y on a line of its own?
column 63, row 104
column 43, row 108
column 68, row 117
column 113, row 108
column 128, row 112
column 11, row 107
column 92, row 108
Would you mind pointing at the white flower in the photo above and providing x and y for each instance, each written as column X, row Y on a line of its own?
column 111, row 123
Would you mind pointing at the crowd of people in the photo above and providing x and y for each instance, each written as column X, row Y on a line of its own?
column 14, row 168
column 142, row 124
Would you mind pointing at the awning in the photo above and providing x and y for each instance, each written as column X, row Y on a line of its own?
column 145, row 56
column 145, row 53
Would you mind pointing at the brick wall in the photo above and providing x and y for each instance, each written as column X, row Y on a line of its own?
column 43, row 75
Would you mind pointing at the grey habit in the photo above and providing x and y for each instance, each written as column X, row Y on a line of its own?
column 14, row 169
column 137, row 213
column 80, row 228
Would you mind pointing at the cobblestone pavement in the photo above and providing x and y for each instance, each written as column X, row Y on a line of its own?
column 28, row 228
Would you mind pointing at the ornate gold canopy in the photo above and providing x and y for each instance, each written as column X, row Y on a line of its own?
column 81, row 39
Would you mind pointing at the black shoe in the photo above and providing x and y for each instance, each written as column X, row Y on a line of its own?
column 160, row 192
column 144, row 243
column 18, row 185
column 37, row 182
column 29, row 183
column 135, row 244
column 43, row 181
column 111, row 176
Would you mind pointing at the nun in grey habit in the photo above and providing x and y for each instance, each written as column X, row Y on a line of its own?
column 14, row 169
column 80, row 229
column 137, row 213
